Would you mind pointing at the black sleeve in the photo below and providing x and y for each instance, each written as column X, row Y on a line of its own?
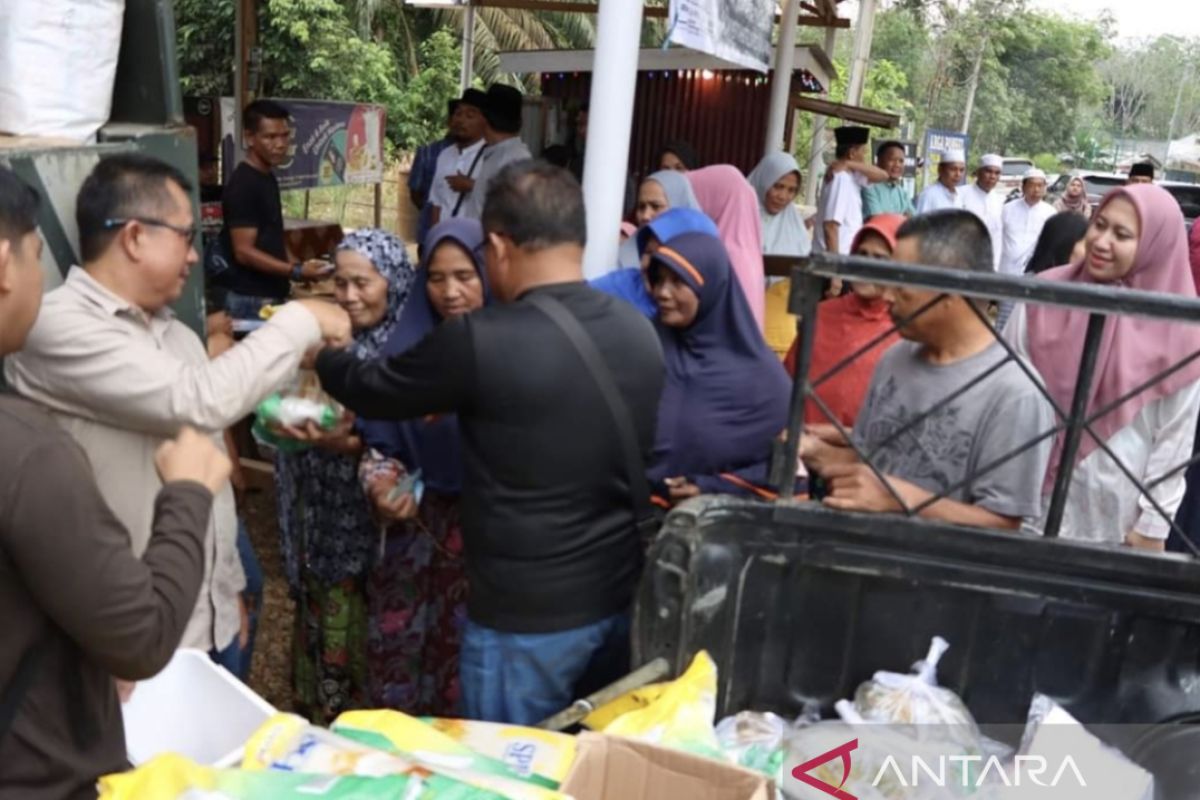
column 242, row 205
column 435, row 377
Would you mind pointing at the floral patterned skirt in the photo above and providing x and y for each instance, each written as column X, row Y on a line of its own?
column 416, row 597
column 329, row 648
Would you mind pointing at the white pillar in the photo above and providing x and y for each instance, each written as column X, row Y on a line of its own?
column 864, row 33
column 610, row 123
column 815, row 161
column 468, row 47
column 781, row 81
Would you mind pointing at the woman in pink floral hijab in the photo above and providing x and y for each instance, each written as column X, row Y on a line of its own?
column 1137, row 240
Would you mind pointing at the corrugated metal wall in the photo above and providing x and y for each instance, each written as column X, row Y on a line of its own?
column 722, row 114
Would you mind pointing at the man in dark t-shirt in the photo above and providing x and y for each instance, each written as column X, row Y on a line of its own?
column 261, row 269
column 552, row 547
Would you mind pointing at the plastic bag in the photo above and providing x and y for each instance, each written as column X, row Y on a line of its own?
column 916, row 699
column 299, row 403
column 527, row 751
column 753, row 740
column 682, row 716
column 173, row 777
column 289, row 743
column 58, row 65
column 421, row 743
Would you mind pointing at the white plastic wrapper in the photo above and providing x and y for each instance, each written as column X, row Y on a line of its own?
column 58, row 63
column 916, row 699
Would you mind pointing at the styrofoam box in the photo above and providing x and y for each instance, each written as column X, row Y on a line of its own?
column 194, row 708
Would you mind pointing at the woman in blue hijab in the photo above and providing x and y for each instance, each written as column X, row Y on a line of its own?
column 726, row 396
column 328, row 537
column 630, row 284
column 412, row 475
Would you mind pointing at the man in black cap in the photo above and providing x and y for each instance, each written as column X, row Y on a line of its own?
column 502, row 113
column 460, row 159
column 1141, row 172
column 840, row 209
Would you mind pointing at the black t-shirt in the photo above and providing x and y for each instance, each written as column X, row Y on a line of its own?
column 251, row 200
column 548, row 519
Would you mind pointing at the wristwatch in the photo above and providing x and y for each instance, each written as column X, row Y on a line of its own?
column 298, row 271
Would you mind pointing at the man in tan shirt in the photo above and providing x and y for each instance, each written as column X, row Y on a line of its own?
column 78, row 607
column 121, row 374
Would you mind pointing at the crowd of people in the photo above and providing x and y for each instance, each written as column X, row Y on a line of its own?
column 467, row 538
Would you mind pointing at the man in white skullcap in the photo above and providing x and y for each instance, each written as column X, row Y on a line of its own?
column 945, row 193
column 981, row 200
column 1023, row 221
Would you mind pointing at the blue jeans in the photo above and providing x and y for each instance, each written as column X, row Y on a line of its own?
column 234, row 658
column 523, row 678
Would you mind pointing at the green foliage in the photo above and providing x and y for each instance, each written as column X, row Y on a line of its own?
column 1037, row 77
column 310, row 49
column 1046, row 162
column 422, row 109
column 204, row 34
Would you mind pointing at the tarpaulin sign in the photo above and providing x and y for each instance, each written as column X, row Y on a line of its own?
column 937, row 143
column 333, row 144
column 738, row 31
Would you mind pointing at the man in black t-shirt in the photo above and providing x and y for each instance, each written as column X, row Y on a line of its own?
column 261, row 269
column 548, row 508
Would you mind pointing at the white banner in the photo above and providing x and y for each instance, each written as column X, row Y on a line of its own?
column 738, row 31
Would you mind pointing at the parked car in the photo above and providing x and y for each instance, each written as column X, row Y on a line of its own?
column 1099, row 184
column 1012, row 170
column 1188, row 197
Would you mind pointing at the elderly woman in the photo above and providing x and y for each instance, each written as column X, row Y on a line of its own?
column 1136, row 240
column 329, row 538
column 1075, row 199
column 412, row 472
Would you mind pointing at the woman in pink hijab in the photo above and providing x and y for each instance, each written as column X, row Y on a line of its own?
column 1136, row 240
column 727, row 198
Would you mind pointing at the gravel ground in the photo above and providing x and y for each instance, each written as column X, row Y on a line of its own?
column 271, row 671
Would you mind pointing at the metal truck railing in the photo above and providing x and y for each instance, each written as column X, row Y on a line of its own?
column 1100, row 302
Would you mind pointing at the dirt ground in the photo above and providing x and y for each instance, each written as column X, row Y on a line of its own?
column 271, row 669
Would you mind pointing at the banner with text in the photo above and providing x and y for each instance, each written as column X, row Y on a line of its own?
column 332, row 143
column 938, row 143
column 738, row 31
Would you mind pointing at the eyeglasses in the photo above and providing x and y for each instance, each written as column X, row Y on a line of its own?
column 188, row 233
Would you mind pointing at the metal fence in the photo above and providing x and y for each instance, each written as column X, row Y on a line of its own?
column 1099, row 302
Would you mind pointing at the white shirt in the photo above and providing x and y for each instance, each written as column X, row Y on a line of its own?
column 452, row 161
column 1102, row 505
column 1023, row 225
column 121, row 382
column 989, row 207
column 495, row 158
column 937, row 197
column 841, row 202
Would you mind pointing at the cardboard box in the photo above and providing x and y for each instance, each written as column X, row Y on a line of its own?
column 610, row 767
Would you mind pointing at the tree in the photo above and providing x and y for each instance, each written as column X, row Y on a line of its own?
column 309, row 49
column 1151, row 91
column 422, row 110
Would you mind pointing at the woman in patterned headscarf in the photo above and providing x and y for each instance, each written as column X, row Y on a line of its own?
column 417, row 594
column 329, row 537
